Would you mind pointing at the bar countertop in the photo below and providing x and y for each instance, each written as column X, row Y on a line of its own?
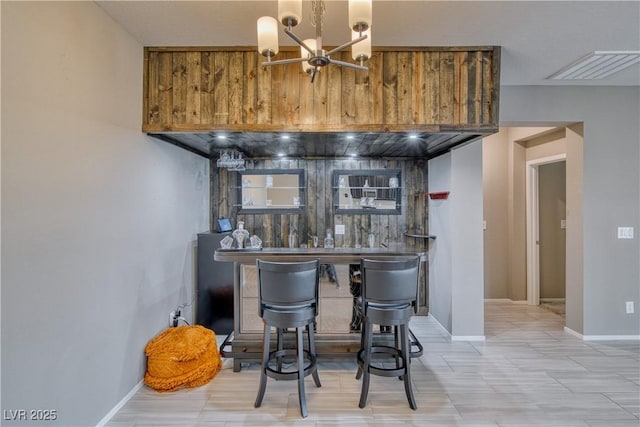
column 325, row 255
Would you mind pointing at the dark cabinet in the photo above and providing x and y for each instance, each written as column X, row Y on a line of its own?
column 214, row 287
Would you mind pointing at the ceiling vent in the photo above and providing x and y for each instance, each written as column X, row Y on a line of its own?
column 597, row 65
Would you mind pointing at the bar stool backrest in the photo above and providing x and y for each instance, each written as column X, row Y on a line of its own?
column 288, row 285
column 391, row 282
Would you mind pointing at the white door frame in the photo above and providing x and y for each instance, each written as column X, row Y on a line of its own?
column 533, row 226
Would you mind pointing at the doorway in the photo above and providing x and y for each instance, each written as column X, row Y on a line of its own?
column 546, row 225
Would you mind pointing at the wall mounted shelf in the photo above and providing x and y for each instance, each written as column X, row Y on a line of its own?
column 443, row 195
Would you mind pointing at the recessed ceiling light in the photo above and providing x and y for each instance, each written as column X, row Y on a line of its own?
column 353, row 155
column 280, row 154
column 220, row 136
column 285, row 136
column 413, row 136
column 349, row 136
column 597, row 65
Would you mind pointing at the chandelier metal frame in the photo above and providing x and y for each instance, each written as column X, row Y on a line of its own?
column 317, row 57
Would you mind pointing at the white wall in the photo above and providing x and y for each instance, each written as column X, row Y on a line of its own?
column 495, row 191
column 440, row 248
column 611, row 192
column 467, row 256
column 516, row 222
column 575, row 239
column 456, row 272
column 99, row 221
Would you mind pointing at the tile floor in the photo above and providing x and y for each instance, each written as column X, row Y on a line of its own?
column 528, row 372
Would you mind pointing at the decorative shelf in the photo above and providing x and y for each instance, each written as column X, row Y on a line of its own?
column 272, row 206
column 367, row 188
column 249, row 187
column 420, row 236
column 442, row 195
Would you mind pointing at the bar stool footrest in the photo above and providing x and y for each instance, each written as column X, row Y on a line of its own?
column 309, row 368
column 414, row 342
column 387, row 353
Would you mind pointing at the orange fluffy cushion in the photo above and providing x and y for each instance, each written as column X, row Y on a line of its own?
column 185, row 356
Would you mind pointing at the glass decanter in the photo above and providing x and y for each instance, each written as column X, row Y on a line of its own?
column 293, row 238
column 240, row 235
column 328, row 241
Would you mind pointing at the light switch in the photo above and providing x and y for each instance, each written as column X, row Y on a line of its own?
column 484, row 225
column 629, row 307
column 625, row 232
column 563, row 224
column 339, row 229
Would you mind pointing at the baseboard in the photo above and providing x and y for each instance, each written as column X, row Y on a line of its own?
column 120, row 404
column 505, row 300
column 611, row 337
column 467, row 338
column 552, row 299
column 572, row 332
column 457, row 337
column 602, row 337
column 439, row 325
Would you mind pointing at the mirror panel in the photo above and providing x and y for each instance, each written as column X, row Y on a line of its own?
column 376, row 192
column 271, row 191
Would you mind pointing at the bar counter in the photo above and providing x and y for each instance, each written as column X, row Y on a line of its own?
column 333, row 339
column 326, row 256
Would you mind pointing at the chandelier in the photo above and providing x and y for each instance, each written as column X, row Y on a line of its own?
column 232, row 161
column 312, row 56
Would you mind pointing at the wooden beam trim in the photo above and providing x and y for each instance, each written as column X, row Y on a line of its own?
column 369, row 128
column 297, row 49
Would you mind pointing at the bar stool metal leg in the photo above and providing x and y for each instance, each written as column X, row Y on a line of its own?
column 406, row 361
column 312, row 351
column 396, row 341
column 279, row 346
column 263, row 365
column 366, row 361
column 300, row 362
column 360, row 370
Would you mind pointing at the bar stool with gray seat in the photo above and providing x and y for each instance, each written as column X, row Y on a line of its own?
column 288, row 298
column 389, row 296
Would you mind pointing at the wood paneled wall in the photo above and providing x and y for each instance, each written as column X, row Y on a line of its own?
column 430, row 89
column 274, row 229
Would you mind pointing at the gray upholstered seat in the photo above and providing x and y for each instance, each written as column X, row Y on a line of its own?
column 288, row 298
column 389, row 295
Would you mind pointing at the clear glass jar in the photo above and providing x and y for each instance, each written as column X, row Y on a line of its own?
column 328, row 240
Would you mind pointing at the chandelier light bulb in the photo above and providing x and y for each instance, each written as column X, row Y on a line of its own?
column 267, row 36
column 361, row 51
column 306, row 67
column 290, row 12
column 359, row 14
